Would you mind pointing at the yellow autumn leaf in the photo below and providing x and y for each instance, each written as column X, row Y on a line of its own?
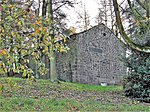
column 5, row 70
column 50, row 58
column 37, row 22
column 2, row 30
column 41, row 29
column 19, row 23
column 46, row 48
column 73, row 30
column 13, row 34
column 65, row 39
column 24, row 16
column 1, row 88
column 2, row 52
column 37, row 31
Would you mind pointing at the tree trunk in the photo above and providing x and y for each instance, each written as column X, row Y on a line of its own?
column 53, row 73
column 52, row 69
column 44, row 9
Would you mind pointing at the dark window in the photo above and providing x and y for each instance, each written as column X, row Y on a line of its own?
column 104, row 34
column 93, row 49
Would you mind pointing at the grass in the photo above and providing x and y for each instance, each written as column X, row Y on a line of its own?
column 42, row 95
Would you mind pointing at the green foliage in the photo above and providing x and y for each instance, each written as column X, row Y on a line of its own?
column 141, row 28
column 138, row 80
column 139, row 23
column 24, row 36
column 136, row 84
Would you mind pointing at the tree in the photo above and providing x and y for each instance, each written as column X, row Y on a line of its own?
column 83, row 18
column 105, row 13
column 138, row 62
column 52, row 9
column 15, row 33
column 58, row 14
column 53, row 71
column 136, row 30
column 138, row 78
column 142, row 21
column 23, row 35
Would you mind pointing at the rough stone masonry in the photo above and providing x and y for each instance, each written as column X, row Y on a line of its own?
column 93, row 58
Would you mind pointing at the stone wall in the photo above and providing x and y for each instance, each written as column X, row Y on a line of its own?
column 93, row 58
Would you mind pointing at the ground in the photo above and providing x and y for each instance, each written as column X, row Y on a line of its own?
column 42, row 95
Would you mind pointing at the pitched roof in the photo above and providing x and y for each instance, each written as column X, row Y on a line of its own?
column 97, row 26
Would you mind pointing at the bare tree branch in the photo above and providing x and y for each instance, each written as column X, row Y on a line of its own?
column 127, row 39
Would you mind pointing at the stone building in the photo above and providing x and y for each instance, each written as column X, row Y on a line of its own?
column 93, row 58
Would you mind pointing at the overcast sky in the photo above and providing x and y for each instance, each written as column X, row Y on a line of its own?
column 91, row 7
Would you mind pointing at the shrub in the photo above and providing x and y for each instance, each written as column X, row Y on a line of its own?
column 138, row 79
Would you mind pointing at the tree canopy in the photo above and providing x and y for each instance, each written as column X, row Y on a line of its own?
column 142, row 21
column 24, row 36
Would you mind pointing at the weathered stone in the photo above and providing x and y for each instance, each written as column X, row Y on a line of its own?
column 93, row 58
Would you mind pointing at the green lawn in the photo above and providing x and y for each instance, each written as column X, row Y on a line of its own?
column 42, row 95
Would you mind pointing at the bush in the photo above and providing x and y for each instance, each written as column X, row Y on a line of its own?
column 138, row 80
